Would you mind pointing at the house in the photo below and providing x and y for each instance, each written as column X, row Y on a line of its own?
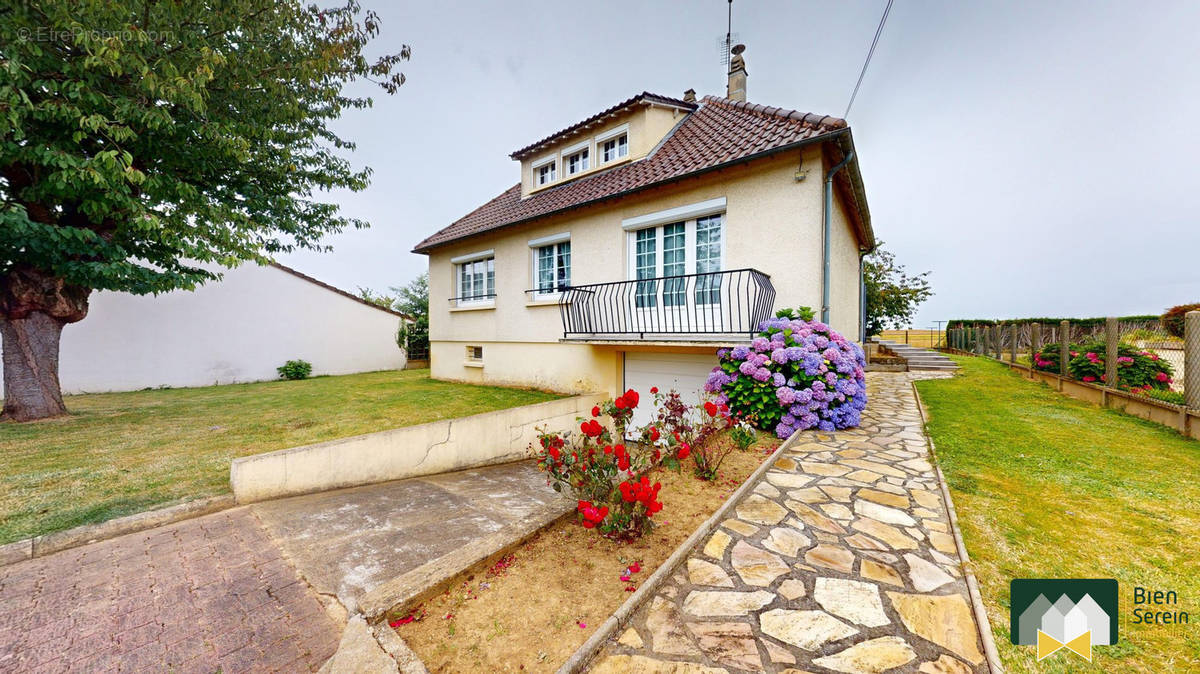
column 238, row 329
column 643, row 238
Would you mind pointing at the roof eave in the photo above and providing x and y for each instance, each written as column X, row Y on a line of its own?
column 825, row 137
column 846, row 143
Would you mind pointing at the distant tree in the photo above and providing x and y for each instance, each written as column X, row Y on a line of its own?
column 385, row 301
column 142, row 143
column 892, row 295
column 413, row 299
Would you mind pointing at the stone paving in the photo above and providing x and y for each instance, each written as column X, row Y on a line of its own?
column 204, row 595
column 841, row 559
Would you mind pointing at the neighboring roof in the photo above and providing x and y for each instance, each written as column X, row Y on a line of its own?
column 339, row 291
column 721, row 132
column 644, row 98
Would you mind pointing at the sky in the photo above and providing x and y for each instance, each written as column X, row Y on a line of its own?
column 1039, row 158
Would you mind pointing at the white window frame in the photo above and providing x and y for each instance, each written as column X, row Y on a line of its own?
column 534, row 246
column 536, row 166
column 570, row 153
column 612, row 134
column 658, row 223
column 459, row 293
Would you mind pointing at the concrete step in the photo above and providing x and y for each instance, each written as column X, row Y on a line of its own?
column 919, row 359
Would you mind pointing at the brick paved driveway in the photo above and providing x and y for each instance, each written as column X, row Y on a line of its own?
column 208, row 594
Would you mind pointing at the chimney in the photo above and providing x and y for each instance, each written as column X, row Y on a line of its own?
column 736, row 90
column 689, row 96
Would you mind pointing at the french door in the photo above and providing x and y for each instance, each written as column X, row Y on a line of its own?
column 673, row 265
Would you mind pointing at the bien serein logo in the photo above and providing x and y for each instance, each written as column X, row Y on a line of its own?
column 1070, row 614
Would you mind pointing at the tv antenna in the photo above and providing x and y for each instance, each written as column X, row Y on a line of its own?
column 725, row 45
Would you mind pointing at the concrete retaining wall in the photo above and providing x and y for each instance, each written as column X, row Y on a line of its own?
column 412, row 451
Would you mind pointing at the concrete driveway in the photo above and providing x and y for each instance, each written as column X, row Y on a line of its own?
column 263, row 587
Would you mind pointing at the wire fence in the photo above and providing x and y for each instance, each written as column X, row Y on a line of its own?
column 1150, row 361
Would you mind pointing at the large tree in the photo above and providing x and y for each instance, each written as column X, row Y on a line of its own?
column 892, row 294
column 144, row 144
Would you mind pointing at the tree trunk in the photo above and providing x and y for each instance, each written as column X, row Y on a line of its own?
column 31, row 388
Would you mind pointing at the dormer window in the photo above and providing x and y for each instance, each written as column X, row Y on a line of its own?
column 577, row 162
column 615, row 148
column 545, row 171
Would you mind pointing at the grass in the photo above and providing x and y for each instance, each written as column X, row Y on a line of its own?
column 121, row 453
column 1047, row 486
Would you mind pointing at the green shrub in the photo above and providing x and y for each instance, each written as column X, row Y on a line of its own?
column 1172, row 397
column 1075, row 322
column 1136, row 369
column 1048, row 359
column 295, row 369
column 1172, row 320
column 743, row 435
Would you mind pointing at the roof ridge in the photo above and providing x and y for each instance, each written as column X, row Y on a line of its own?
column 645, row 95
column 805, row 117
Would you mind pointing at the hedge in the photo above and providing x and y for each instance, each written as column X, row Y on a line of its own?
column 969, row 322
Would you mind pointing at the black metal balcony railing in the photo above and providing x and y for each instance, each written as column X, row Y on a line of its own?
column 725, row 302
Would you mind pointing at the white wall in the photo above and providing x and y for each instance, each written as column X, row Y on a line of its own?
column 237, row 330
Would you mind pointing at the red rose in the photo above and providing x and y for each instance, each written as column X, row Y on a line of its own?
column 684, row 451
column 623, row 462
column 654, row 434
column 596, row 411
column 620, row 402
column 653, row 390
column 632, row 398
column 710, row 408
column 554, row 453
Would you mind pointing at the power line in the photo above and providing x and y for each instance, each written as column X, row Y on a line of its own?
column 871, row 52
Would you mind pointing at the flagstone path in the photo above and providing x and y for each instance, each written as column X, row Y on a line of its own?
column 841, row 559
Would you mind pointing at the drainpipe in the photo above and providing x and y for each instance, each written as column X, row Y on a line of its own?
column 827, row 235
column 862, row 300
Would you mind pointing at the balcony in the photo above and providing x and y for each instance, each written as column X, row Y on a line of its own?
column 708, row 307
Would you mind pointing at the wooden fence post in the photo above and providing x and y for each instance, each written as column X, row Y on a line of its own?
column 1191, row 359
column 997, row 343
column 1112, row 331
column 1064, row 347
column 1012, row 349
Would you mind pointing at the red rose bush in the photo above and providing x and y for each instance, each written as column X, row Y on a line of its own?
column 606, row 477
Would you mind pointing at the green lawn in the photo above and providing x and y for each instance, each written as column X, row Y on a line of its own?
column 1047, row 487
column 121, row 453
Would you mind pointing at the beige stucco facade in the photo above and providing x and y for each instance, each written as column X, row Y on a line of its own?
column 772, row 222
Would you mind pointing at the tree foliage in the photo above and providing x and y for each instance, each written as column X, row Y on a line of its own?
column 892, row 294
column 139, row 139
column 413, row 299
column 144, row 145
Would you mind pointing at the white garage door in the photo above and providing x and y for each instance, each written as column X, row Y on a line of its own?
column 684, row 372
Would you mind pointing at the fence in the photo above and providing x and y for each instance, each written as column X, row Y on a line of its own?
column 929, row 338
column 1079, row 352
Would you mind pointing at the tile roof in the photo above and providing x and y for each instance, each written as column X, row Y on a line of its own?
column 643, row 98
column 717, row 133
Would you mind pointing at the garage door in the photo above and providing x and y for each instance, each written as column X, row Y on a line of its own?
column 684, row 372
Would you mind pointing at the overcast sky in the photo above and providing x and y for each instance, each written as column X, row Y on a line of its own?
column 1040, row 158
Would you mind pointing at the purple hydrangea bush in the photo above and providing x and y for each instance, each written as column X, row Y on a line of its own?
column 795, row 375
